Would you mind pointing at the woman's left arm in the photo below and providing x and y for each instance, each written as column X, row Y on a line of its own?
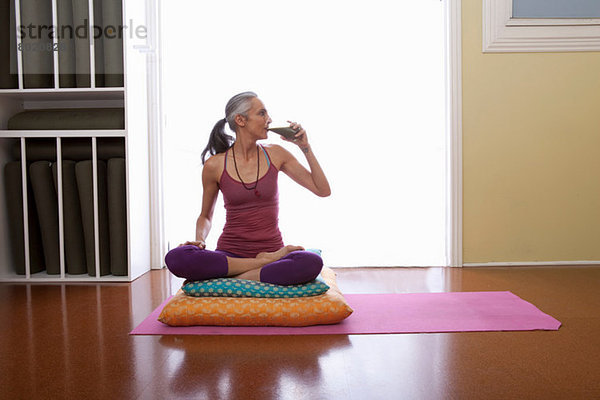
column 314, row 180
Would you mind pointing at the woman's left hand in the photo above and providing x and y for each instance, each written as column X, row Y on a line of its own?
column 301, row 139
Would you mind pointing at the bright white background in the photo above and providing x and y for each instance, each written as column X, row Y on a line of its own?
column 366, row 80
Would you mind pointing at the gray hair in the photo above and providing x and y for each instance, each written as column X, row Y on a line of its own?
column 219, row 141
column 238, row 104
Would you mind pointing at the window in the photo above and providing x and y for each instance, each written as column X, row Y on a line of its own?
column 369, row 94
column 556, row 9
column 503, row 32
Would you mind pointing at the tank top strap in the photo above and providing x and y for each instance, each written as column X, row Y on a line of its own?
column 226, row 151
column 266, row 155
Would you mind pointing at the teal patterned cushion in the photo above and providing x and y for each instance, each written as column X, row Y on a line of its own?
column 230, row 287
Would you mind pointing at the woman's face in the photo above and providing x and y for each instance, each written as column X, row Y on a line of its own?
column 258, row 120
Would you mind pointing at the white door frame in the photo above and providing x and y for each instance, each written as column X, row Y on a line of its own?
column 454, row 214
column 156, row 123
column 454, row 250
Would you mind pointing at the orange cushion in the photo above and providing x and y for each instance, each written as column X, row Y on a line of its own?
column 328, row 308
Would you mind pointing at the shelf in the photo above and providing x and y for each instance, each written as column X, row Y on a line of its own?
column 42, row 277
column 67, row 94
column 4, row 133
column 106, row 62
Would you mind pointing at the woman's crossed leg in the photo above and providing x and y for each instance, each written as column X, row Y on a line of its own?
column 290, row 265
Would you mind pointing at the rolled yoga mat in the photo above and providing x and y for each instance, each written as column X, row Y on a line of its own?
column 66, row 44
column 68, row 119
column 46, row 203
column 75, row 259
column 37, row 50
column 79, row 149
column 8, row 47
column 117, row 215
column 82, row 42
column 84, row 174
column 113, row 46
column 14, row 204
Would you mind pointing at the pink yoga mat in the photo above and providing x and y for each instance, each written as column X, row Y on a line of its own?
column 397, row 313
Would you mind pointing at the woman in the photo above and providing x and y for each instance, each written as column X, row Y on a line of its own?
column 250, row 246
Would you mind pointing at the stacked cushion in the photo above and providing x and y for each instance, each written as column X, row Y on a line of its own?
column 327, row 308
column 228, row 287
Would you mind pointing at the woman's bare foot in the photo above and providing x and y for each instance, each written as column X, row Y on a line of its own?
column 277, row 255
column 237, row 266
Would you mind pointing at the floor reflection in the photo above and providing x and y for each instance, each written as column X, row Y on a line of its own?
column 394, row 280
column 235, row 367
column 407, row 366
column 65, row 338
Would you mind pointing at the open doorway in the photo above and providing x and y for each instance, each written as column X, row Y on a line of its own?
column 367, row 83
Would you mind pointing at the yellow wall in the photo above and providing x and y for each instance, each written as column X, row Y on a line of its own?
column 531, row 152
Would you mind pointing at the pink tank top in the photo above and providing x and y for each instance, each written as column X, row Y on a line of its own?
column 252, row 222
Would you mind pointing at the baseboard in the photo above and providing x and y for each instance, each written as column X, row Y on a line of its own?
column 534, row 263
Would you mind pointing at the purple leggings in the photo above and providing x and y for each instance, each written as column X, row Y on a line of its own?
column 194, row 264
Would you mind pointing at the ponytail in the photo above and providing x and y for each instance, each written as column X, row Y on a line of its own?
column 220, row 141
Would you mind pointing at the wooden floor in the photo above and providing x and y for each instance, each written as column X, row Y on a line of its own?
column 72, row 342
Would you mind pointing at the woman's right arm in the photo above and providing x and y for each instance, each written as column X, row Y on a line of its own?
column 210, row 191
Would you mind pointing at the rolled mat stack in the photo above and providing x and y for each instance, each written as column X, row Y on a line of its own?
column 8, row 46
column 73, row 46
column 38, row 57
column 78, row 205
column 78, row 213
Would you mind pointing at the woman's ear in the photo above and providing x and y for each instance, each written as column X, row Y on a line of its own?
column 240, row 120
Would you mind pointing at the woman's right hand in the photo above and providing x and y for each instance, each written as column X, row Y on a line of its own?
column 199, row 243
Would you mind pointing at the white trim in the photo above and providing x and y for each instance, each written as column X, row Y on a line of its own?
column 61, row 218
column 454, row 133
column 552, row 21
column 92, row 94
column 26, row 200
column 43, row 278
column 92, row 44
column 19, row 52
column 96, row 205
column 155, row 125
column 55, row 44
column 70, row 133
column 30, row 105
column 503, row 33
column 533, row 263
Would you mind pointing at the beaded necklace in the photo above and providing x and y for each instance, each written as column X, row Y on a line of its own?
column 256, row 192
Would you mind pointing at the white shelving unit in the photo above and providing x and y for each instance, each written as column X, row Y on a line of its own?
column 133, row 98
